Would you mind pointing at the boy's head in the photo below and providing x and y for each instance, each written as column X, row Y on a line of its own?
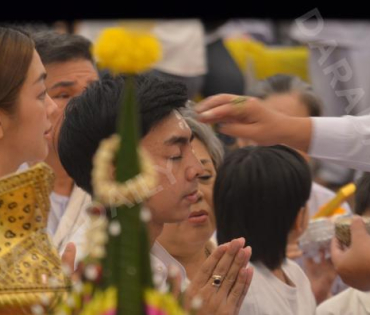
column 260, row 193
column 91, row 117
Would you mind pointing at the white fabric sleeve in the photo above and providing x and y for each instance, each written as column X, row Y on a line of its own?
column 343, row 140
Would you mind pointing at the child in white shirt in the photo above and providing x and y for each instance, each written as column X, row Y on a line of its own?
column 260, row 194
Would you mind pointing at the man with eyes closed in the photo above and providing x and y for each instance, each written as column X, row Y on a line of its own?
column 70, row 69
column 165, row 135
column 189, row 241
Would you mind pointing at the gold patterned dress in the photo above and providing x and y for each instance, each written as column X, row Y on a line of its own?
column 30, row 267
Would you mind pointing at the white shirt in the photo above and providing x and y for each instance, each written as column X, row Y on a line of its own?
column 73, row 222
column 58, row 205
column 161, row 261
column 268, row 295
column 349, row 302
column 344, row 140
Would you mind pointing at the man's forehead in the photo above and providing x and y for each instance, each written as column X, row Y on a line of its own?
column 171, row 131
column 70, row 70
column 178, row 135
column 173, row 121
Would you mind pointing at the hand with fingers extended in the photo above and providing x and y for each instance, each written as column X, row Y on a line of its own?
column 68, row 261
column 321, row 275
column 69, row 256
column 223, row 280
column 248, row 117
column 353, row 263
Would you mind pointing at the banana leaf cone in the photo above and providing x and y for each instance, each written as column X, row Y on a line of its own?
column 127, row 264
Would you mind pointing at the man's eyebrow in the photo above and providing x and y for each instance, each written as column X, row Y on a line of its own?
column 178, row 140
column 63, row 84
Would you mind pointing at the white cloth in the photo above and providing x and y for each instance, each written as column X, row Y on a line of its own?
column 349, row 302
column 74, row 223
column 344, row 140
column 268, row 295
column 22, row 167
column 183, row 47
column 58, row 205
column 337, row 49
column 341, row 43
column 161, row 261
column 345, row 33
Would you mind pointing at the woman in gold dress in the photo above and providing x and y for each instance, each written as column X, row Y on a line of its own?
column 30, row 268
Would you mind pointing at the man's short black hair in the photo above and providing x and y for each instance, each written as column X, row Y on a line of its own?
column 54, row 47
column 362, row 196
column 258, row 194
column 92, row 116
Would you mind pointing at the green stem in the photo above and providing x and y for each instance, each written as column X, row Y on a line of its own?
column 133, row 269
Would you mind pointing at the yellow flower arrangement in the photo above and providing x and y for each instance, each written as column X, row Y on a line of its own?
column 122, row 51
column 103, row 303
column 162, row 303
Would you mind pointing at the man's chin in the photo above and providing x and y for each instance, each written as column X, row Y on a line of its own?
column 180, row 215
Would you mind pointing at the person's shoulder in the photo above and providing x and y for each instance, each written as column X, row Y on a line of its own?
column 291, row 265
column 262, row 276
column 294, row 271
column 302, row 284
column 253, row 302
column 259, row 270
column 338, row 304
